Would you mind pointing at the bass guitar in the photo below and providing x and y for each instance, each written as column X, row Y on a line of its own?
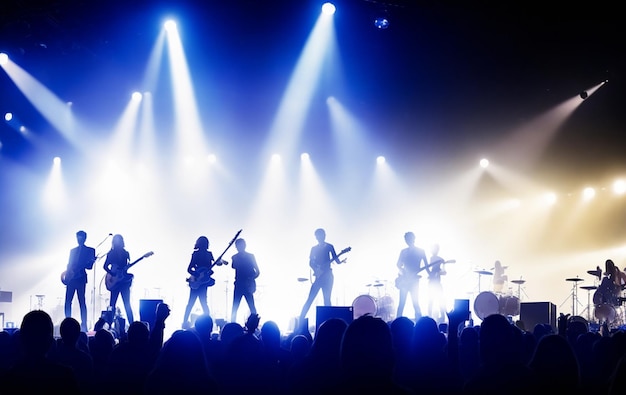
column 202, row 275
column 407, row 280
column 121, row 278
column 318, row 270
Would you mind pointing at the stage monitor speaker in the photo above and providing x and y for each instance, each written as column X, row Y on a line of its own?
column 6, row 296
column 147, row 310
column 327, row 312
column 534, row 313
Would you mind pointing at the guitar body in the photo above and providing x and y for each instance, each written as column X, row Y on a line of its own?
column 318, row 271
column 121, row 278
column 201, row 278
column 67, row 276
column 118, row 281
column 407, row 281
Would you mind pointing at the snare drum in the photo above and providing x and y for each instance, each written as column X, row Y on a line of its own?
column 486, row 304
column 362, row 305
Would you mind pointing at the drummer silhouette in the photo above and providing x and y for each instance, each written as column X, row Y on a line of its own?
column 499, row 278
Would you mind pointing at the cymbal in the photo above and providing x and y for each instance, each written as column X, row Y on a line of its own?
column 576, row 279
column 483, row 272
column 589, row 287
column 379, row 285
column 596, row 273
column 302, row 279
column 518, row 281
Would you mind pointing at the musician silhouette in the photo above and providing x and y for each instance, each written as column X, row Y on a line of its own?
column 199, row 267
column 411, row 261
column 436, row 299
column 320, row 258
column 499, row 278
column 81, row 259
column 246, row 272
column 116, row 264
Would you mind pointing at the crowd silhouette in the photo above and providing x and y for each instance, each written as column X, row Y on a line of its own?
column 366, row 355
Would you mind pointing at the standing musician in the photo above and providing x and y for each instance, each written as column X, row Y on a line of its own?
column 81, row 259
column 499, row 278
column 436, row 299
column 411, row 261
column 116, row 264
column 246, row 272
column 320, row 258
column 200, row 268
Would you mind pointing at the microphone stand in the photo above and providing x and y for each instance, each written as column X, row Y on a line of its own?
column 93, row 289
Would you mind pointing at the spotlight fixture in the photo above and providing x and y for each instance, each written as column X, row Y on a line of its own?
column 584, row 95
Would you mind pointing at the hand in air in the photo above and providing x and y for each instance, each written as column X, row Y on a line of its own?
column 252, row 323
column 163, row 311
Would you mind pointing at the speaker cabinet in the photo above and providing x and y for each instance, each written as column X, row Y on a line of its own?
column 535, row 313
column 324, row 313
column 147, row 310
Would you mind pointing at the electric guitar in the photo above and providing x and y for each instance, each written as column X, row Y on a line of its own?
column 319, row 271
column 203, row 273
column 70, row 273
column 406, row 280
column 121, row 277
column 436, row 275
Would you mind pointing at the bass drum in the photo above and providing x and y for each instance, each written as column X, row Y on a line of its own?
column 486, row 304
column 605, row 312
column 385, row 308
column 362, row 305
column 509, row 305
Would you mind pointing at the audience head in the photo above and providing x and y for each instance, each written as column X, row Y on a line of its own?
column 138, row 333
column 69, row 331
column 204, row 325
column 37, row 332
column 367, row 350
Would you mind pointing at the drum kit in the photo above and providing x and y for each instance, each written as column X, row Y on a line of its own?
column 607, row 299
column 381, row 306
column 487, row 303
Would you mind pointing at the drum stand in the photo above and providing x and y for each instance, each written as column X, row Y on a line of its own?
column 573, row 295
column 588, row 288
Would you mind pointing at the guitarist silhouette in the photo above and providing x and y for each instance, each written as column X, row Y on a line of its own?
column 320, row 258
column 117, row 262
column 201, row 269
column 411, row 261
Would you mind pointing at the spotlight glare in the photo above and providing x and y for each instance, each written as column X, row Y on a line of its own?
column 4, row 58
column 304, row 156
column 137, row 96
column 484, row 163
column 619, row 187
column 212, row 158
column 8, row 116
column 170, row 25
column 328, row 8
column 550, row 198
column 380, row 160
column 381, row 23
column 56, row 160
column 589, row 193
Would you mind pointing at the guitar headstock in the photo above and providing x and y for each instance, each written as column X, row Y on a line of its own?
column 148, row 254
column 347, row 249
